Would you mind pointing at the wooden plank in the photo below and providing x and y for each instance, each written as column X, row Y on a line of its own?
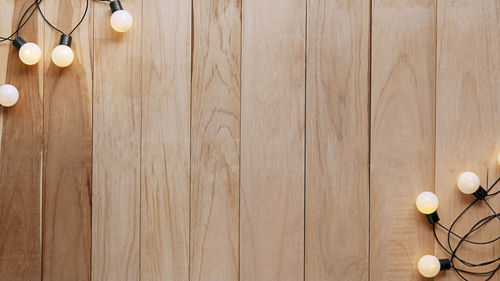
column 20, row 157
column 272, row 140
column 116, row 147
column 166, row 101
column 215, row 141
column 468, row 116
column 67, row 148
column 337, row 139
column 402, row 135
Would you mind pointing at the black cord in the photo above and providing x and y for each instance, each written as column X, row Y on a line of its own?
column 22, row 21
column 456, row 260
column 57, row 29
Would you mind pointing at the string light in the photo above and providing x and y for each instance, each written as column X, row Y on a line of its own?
column 29, row 53
column 121, row 20
column 8, row 95
column 63, row 55
column 427, row 203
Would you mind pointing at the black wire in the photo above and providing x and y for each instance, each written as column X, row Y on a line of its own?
column 21, row 23
column 452, row 251
column 57, row 29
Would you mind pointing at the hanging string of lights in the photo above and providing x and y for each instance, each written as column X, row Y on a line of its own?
column 62, row 55
column 427, row 203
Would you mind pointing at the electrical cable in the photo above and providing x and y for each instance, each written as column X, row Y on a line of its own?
column 458, row 263
column 22, row 23
column 57, row 29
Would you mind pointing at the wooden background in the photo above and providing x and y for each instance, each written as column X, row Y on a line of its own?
column 250, row 140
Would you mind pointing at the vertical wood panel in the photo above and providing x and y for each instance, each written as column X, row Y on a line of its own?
column 165, row 140
column 337, row 168
column 272, row 140
column 468, row 115
column 403, row 135
column 216, row 141
column 116, row 147
column 67, row 148
column 20, row 159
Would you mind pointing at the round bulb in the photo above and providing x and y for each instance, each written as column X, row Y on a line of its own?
column 468, row 182
column 429, row 266
column 30, row 53
column 427, row 202
column 121, row 21
column 62, row 56
column 8, row 95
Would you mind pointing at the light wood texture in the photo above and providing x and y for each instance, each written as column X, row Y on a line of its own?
column 20, row 157
column 272, row 140
column 67, row 148
column 166, row 72
column 116, row 147
column 402, row 135
column 215, row 141
column 468, row 115
column 337, row 138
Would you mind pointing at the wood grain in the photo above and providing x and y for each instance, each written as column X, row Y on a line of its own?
column 468, row 115
column 402, row 135
column 337, row 138
column 67, row 148
column 21, row 159
column 116, row 147
column 272, row 140
column 166, row 72
column 215, row 141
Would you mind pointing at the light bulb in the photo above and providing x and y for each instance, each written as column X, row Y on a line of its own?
column 429, row 266
column 62, row 55
column 29, row 53
column 427, row 203
column 468, row 182
column 121, row 20
column 8, row 95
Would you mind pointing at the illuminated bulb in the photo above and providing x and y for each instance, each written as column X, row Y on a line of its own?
column 429, row 266
column 427, row 203
column 468, row 182
column 8, row 95
column 29, row 53
column 62, row 55
column 121, row 20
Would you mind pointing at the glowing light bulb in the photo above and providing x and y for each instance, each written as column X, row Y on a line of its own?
column 8, row 95
column 121, row 20
column 427, row 202
column 429, row 266
column 29, row 53
column 468, row 182
column 62, row 55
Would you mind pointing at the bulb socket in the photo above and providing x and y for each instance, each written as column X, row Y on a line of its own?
column 445, row 264
column 18, row 42
column 115, row 5
column 65, row 40
column 481, row 193
column 432, row 218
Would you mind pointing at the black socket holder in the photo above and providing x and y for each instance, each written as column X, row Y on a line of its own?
column 65, row 40
column 432, row 218
column 115, row 5
column 18, row 42
column 445, row 264
column 481, row 193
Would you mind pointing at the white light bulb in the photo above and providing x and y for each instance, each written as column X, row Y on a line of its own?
column 8, row 95
column 121, row 21
column 427, row 203
column 468, row 182
column 62, row 56
column 30, row 53
column 429, row 266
